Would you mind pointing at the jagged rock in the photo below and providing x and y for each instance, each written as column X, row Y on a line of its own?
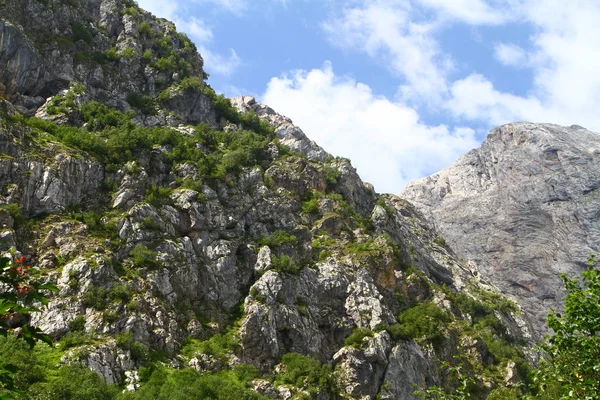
column 289, row 134
column 362, row 371
column 520, row 207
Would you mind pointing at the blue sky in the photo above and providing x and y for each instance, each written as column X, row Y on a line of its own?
column 401, row 87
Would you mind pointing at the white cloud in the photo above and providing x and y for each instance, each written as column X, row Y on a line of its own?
column 384, row 29
column 474, row 12
column 564, row 62
column 510, row 55
column 385, row 140
column 219, row 63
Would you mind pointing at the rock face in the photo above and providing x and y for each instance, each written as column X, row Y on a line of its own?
column 168, row 216
column 523, row 207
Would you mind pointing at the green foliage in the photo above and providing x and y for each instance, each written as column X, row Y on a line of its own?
column 311, row 205
column 332, row 175
column 147, row 56
column 129, row 53
column 131, row 11
column 16, row 213
column 285, row 263
column 139, row 351
column 95, row 297
column 112, row 55
column 463, row 391
column 119, row 292
column 357, row 338
column 142, row 102
column 142, row 256
column 145, row 29
column 164, row 383
column 423, row 321
column 191, row 83
column 20, row 296
column 81, row 32
column 218, row 346
column 75, row 382
column 503, row 393
column 165, row 64
column 98, row 116
column 277, row 239
column 306, row 373
column 77, row 324
column 572, row 370
column 158, row 195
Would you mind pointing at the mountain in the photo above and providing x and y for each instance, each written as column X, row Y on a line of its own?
column 204, row 247
column 523, row 207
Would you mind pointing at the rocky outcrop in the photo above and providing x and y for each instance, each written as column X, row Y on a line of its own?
column 289, row 134
column 523, row 207
column 240, row 243
column 47, row 47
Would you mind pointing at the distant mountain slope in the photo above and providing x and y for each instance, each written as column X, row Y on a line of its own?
column 525, row 207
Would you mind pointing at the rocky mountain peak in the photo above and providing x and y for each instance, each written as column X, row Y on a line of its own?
column 523, row 207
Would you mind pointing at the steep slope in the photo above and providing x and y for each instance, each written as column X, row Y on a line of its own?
column 196, row 238
column 523, row 207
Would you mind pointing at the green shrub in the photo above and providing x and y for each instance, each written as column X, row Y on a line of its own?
column 142, row 102
column 277, row 239
column 75, row 382
column 311, row 206
column 119, row 291
column 73, row 339
column 285, row 263
column 129, row 53
column 306, row 373
column 425, row 320
column 165, row 64
column 95, row 297
column 112, row 54
column 81, row 32
column 142, row 256
column 357, row 338
column 77, row 324
column 145, row 29
column 332, row 175
column 165, row 383
column 147, row 56
column 158, row 195
column 217, row 346
column 191, row 83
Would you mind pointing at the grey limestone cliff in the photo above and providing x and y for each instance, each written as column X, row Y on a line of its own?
column 170, row 217
column 523, row 207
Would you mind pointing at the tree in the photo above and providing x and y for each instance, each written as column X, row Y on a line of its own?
column 20, row 295
column 572, row 368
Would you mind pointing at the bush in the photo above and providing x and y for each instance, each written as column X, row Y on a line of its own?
column 112, row 55
column 142, row 102
column 285, row 263
column 356, row 338
column 277, row 239
column 306, row 373
column 95, row 297
column 424, row 320
column 142, row 256
column 129, row 53
column 78, row 324
column 75, row 382
column 158, row 195
column 81, row 32
column 119, row 291
column 145, row 29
